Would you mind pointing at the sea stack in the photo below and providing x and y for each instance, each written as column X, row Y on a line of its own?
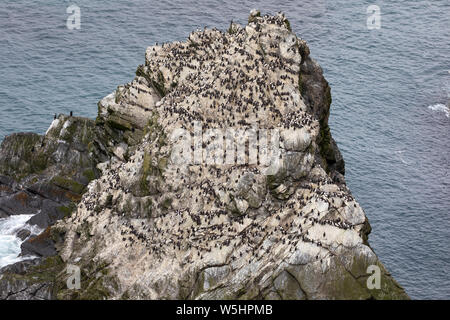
column 144, row 217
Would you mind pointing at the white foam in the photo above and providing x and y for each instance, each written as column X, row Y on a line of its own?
column 440, row 108
column 9, row 243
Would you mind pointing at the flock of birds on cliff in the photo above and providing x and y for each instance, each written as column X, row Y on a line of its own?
column 225, row 85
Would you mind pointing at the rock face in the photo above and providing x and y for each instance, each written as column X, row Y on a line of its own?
column 148, row 215
column 46, row 175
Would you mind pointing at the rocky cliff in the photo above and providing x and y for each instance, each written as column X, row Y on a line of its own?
column 114, row 199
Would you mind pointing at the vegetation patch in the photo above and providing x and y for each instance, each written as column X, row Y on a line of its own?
column 231, row 29
column 67, row 210
column 159, row 85
column 45, row 272
column 118, row 123
column 274, row 181
column 166, row 204
column 141, row 73
column 89, row 174
column 24, row 155
column 68, row 184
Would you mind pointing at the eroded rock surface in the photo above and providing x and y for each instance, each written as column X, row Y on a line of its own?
column 148, row 227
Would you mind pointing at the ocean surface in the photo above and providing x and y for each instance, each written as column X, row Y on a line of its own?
column 390, row 87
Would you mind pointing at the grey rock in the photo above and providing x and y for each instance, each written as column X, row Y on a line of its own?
column 20, row 267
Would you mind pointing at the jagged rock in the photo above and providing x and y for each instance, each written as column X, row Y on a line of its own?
column 46, row 176
column 22, row 290
column 287, row 287
column 22, row 234
column 41, row 245
column 21, row 267
column 148, row 226
column 32, row 279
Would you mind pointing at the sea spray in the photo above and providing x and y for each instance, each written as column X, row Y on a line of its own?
column 9, row 242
